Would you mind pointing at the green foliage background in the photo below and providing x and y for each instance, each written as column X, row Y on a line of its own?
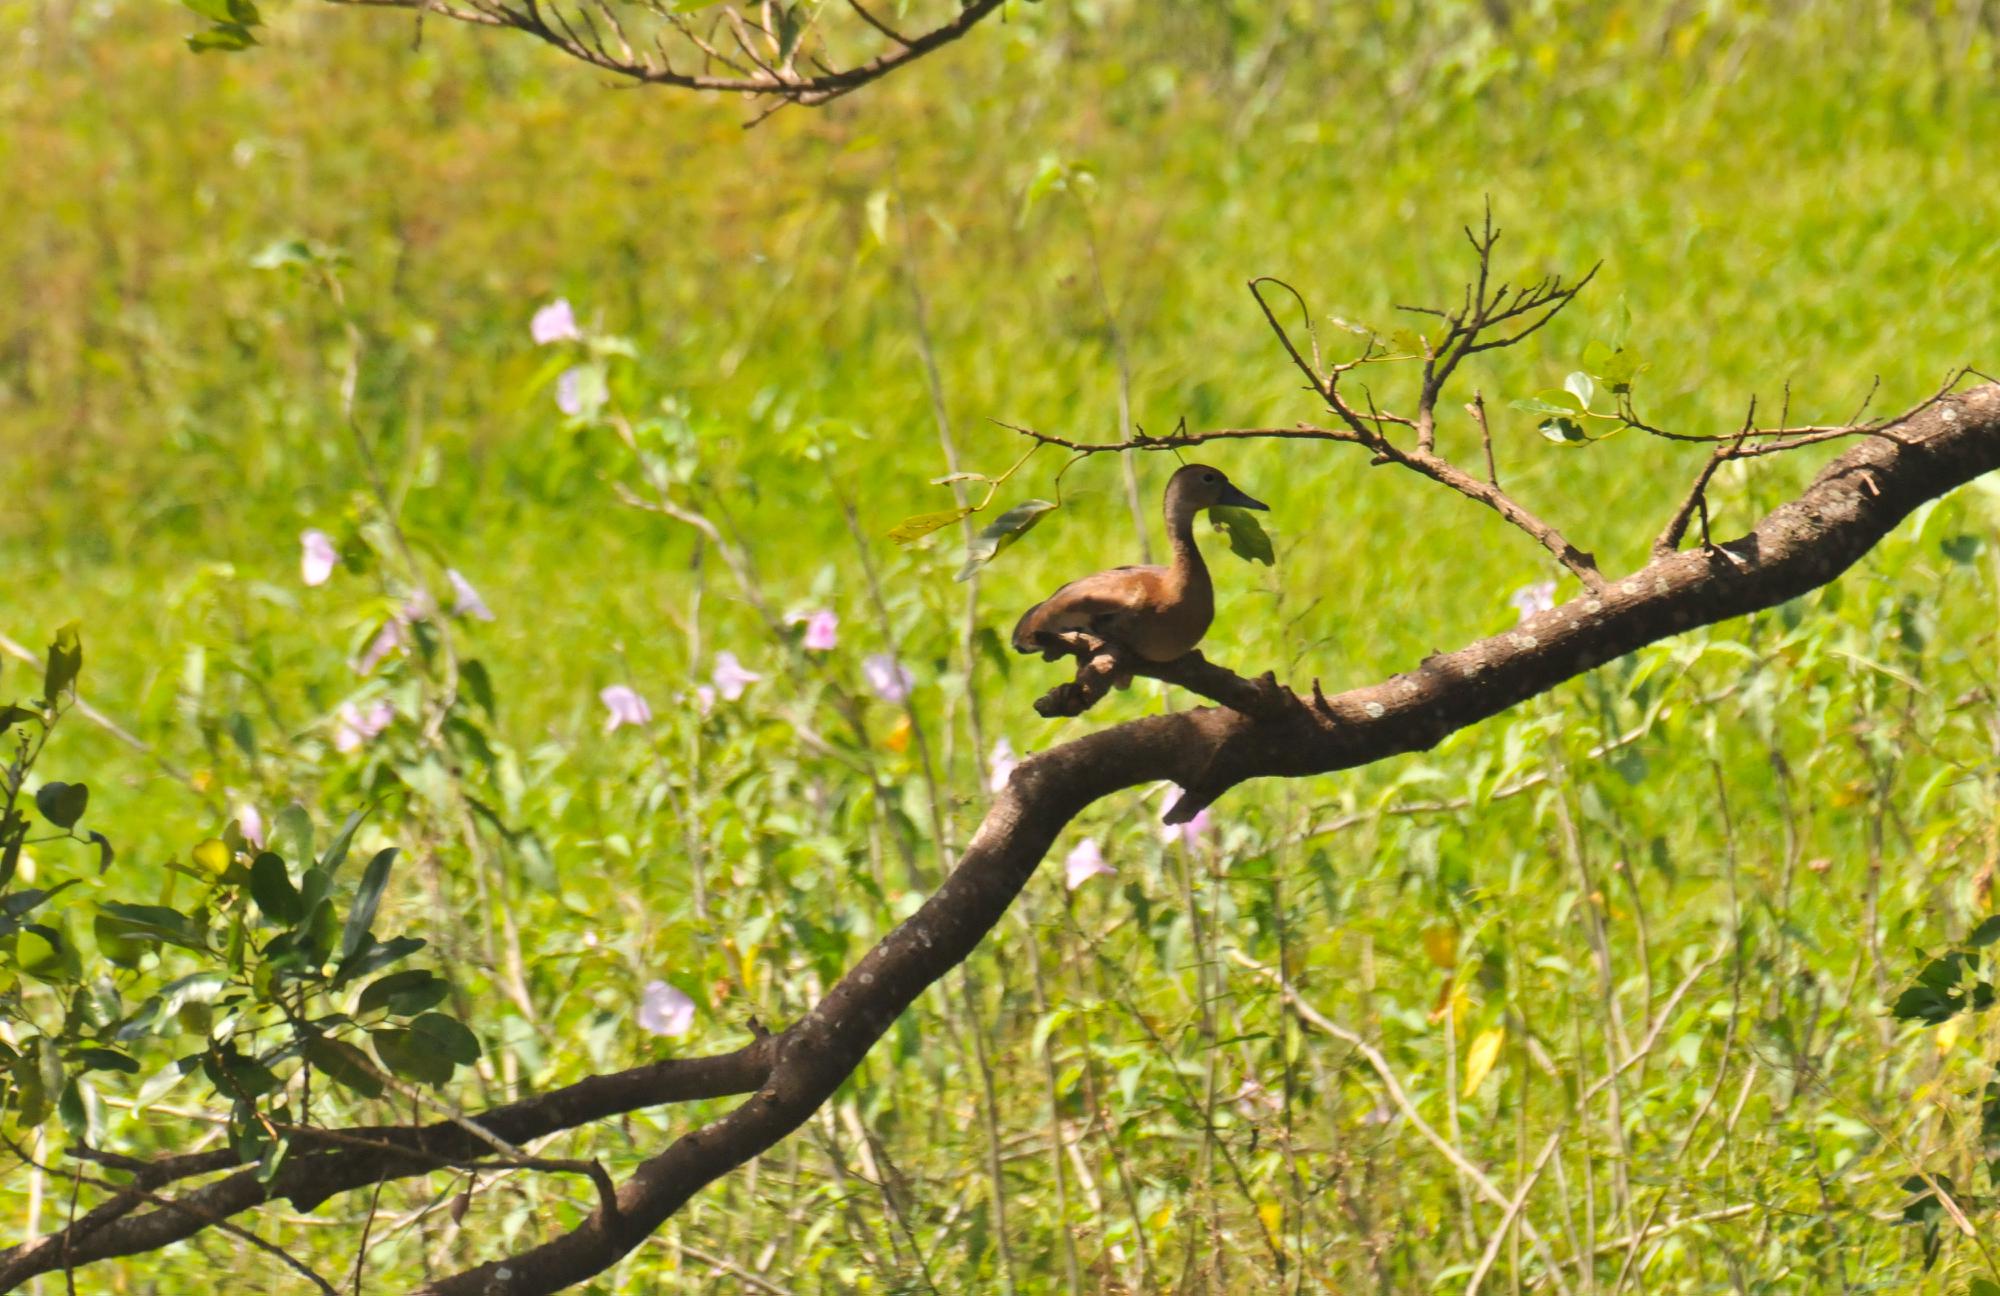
column 1786, row 196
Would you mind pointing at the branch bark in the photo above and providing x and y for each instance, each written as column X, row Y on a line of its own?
column 1852, row 503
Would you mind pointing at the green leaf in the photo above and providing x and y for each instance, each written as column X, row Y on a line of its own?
column 367, row 898
column 451, row 1037
column 375, row 956
column 1985, row 933
column 412, row 1056
column 1002, row 532
column 1579, row 385
column 1961, row 549
column 478, row 684
column 221, row 40
column 403, row 993
column 1247, row 538
column 271, row 887
column 163, row 1081
column 62, row 804
column 240, row 13
column 104, row 1059
column 1541, row 405
column 65, row 661
column 11, row 715
column 292, row 831
column 1563, row 431
column 336, row 850
column 156, row 922
column 912, row 529
column 105, row 855
column 345, row 1065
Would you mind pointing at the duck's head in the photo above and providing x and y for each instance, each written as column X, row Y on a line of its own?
column 1199, row 486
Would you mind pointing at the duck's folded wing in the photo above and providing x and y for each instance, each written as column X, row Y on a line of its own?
column 1103, row 605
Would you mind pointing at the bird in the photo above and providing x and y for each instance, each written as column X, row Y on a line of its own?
column 1157, row 613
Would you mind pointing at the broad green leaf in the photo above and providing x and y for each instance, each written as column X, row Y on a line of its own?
column 163, row 1081
column 62, row 804
column 344, row 1064
column 375, row 956
column 1541, row 403
column 403, row 993
column 411, row 1055
column 65, row 662
column 1563, row 431
column 1002, row 532
column 104, row 1059
column 221, row 40
column 271, row 887
column 1247, row 537
column 367, row 898
column 1579, row 385
column 450, row 1036
column 911, row 529
column 336, row 850
column 239, row 13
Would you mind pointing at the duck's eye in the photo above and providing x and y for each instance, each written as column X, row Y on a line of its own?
column 1210, row 478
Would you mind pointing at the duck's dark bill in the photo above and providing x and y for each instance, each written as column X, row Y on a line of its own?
column 1233, row 498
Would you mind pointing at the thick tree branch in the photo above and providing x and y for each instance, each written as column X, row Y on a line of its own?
column 310, row 1177
column 1853, row 502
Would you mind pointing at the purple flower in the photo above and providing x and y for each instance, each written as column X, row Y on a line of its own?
column 465, row 599
column 1530, row 599
column 386, row 641
column 555, row 322
column 664, row 1010
column 1084, row 862
column 1000, row 764
column 822, row 629
column 889, row 678
column 704, row 698
column 625, row 706
column 353, row 726
column 730, row 677
column 569, row 392
column 317, row 557
column 250, row 824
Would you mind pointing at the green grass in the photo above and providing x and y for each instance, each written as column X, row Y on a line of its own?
column 1791, row 196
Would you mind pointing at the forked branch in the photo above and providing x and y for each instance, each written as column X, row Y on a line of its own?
column 785, row 54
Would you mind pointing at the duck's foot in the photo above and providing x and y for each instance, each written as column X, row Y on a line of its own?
column 1100, row 668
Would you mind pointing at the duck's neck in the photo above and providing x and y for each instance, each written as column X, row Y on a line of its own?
column 1188, row 567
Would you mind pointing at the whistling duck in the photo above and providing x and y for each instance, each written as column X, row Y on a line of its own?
column 1158, row 613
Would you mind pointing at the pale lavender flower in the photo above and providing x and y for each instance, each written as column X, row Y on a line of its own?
column 822, row 629
column 730, row 677
column 569, row 392
column 555, row 322
column 1530, row 599
column 663, row 1010
column 704, row 697
column 352, row 726
column 889, row 678
column 465, row 599
column 251, row 825
column 1084, row 862
column 625, row 706
column 387, row 640
column 1000, row 764
column 317, row 557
